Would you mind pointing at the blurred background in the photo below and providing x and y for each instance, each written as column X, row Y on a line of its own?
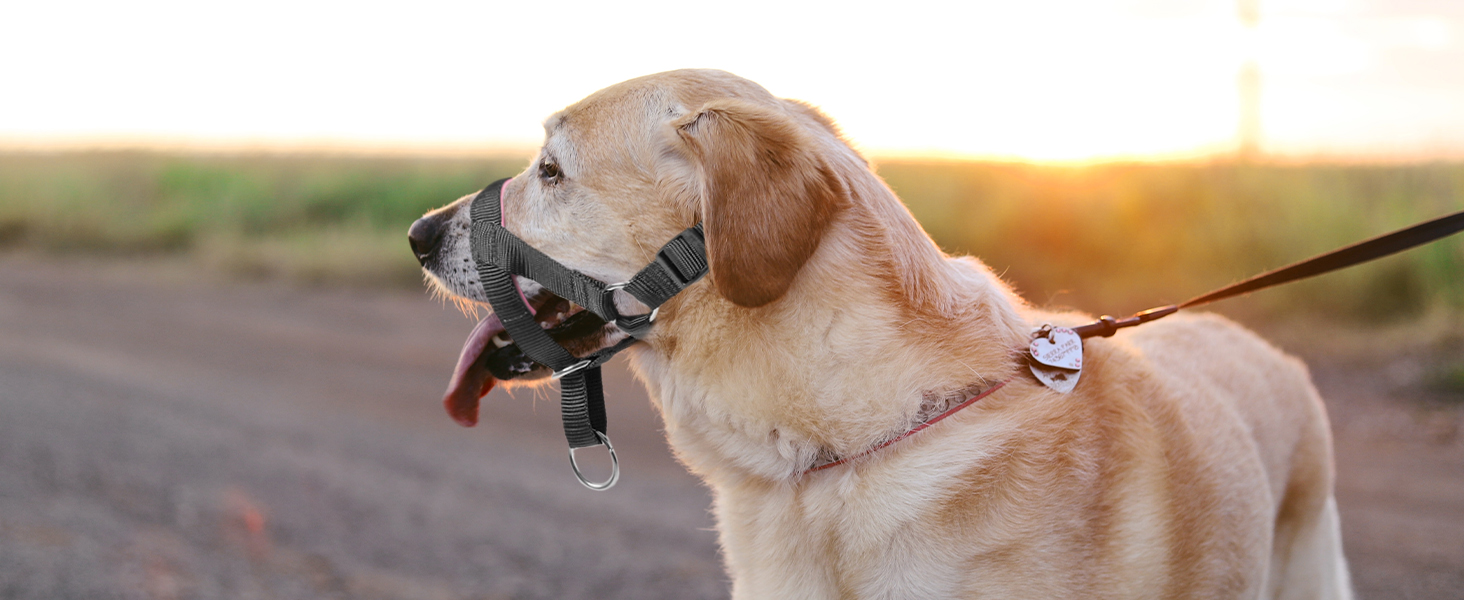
column 220, row 372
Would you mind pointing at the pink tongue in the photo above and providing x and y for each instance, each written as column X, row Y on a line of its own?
column 471, row 379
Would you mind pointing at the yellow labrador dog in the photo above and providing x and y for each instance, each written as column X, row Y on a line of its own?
column 1193, row 460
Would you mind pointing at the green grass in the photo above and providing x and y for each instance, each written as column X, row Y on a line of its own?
column 1111, row 238
column 312, row 217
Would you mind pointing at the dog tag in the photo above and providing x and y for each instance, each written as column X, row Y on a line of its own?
column 1057, row 357
column 1061, row 381
column 1060, row 347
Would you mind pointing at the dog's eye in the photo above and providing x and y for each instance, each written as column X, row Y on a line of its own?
column 549, row 172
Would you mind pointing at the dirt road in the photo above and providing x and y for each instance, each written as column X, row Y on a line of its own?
column 166, row 434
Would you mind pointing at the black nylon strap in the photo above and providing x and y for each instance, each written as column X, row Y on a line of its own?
column 680, row 263
column 582, row 399
column 519, row 322
column 581, row 393
column 582, row 407
column 503, row 295
column 500, row 255
column 529, row 262
column 484, row 210
column 1342, row 258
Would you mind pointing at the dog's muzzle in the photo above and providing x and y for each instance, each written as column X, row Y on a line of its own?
column 500, row 255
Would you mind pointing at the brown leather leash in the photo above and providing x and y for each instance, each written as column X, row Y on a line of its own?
column 1355, row 254
column 1055, row 355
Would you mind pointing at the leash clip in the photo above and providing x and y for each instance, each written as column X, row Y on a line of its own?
column 614, row 466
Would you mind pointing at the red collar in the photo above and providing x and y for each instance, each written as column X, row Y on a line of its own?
column 914, row 430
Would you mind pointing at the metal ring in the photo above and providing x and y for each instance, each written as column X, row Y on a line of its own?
column 571, row 368
column 614, row 466
column 609, row 301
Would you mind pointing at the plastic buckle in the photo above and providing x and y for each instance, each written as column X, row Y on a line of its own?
column 614, row 466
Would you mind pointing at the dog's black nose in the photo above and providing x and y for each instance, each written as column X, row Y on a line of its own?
column 424, row 236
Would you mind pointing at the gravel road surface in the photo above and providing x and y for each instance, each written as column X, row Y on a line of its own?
column 165, row 433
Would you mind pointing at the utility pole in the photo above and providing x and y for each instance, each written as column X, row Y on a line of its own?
column 1248, row 84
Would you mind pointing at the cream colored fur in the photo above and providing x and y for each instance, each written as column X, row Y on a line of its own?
column 1192, row 461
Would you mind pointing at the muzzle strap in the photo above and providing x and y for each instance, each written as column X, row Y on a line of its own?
column 581, row 394
column 678, row 264
column 494, row 245
column 500, row 255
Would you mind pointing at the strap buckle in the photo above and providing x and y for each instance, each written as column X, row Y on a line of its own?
column 684, row 257
column 614, row 466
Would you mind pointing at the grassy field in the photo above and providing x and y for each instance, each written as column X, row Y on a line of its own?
column 1116, row 238
column 1105, row 239
column 304, row 217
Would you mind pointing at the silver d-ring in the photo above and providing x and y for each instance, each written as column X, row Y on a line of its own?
column 607, row 301
column 614, row 466
column 621, row 320
column 615, row 287
column 571, row 368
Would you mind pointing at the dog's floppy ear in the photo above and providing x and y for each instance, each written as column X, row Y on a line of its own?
column 767, row 196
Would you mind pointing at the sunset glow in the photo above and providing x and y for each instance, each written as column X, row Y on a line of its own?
column 1058, row 80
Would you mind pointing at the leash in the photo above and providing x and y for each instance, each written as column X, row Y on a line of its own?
column 1356, row 254
column 1055, row 356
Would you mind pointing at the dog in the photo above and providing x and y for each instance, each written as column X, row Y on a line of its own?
column 1192, row 460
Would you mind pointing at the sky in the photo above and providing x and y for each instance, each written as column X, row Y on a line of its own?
column 1053, row 80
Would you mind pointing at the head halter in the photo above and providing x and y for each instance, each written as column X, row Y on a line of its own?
column 500, row 255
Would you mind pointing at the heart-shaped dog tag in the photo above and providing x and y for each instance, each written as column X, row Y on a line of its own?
column 1061, row 348
column 1060, row 380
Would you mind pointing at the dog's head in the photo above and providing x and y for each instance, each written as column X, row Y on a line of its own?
column 622, row 172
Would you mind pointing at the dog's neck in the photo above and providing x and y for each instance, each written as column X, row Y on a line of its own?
column 877, row 322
